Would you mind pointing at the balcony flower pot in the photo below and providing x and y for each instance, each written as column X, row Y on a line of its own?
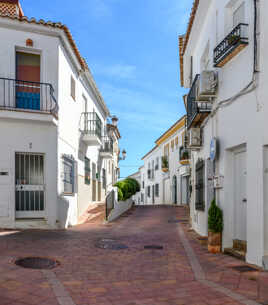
column 165, row 169
column 232, row 40
column 215, row 227
column 184, row 162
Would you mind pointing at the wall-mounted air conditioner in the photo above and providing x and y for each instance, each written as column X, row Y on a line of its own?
column 207, row 86
column 194, row 138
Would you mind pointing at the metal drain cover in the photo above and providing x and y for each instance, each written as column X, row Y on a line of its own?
column 154, row 247
column 110, row 244
column 37, row 263
column 244, row 268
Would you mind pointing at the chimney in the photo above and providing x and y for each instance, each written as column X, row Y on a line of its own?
column 11, row 7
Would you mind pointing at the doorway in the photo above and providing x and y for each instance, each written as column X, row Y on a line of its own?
column 28, row 81
column 174, row 190
column 240, row 195
column 29, row 185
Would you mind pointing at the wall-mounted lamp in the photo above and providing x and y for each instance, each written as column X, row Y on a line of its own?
column 124, row 155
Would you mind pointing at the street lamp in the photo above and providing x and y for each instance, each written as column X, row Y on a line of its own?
column 124, row 155
column 114, row 121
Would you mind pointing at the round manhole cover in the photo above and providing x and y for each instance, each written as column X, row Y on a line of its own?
column 37, row 263
column 110, row 244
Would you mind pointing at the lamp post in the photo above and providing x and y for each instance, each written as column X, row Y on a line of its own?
column 124, row 155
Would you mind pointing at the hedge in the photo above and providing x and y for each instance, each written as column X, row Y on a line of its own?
column 127, row 188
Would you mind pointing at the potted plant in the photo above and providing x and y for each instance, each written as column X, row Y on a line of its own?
column 165, row 164
column 233, row 39
column 215, row 227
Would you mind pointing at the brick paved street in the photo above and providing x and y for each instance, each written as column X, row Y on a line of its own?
column 88, row 275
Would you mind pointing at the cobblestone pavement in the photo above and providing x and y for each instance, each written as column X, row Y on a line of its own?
column 180, row 273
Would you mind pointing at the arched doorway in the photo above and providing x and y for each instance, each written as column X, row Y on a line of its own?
column 174, row 190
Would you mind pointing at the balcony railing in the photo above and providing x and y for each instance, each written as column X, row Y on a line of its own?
column 196, row 110
column 107, row 145
column 27, row 96
column 91, row 124
column 232, row 44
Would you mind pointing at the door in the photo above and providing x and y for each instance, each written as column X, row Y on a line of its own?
column 153, row 194
column 174, row 190
column 29, row 185
column 240, row 176
column 184, row 195
column 28, row 81
column 166, row 191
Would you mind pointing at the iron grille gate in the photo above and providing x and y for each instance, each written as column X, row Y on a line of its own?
column 29, row 185
column 199, row 187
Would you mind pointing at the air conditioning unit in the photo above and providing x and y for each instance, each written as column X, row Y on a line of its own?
column 207, row 86
column 194, row 138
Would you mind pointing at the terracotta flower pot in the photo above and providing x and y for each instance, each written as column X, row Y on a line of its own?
column 165, row 169
column 214, row 242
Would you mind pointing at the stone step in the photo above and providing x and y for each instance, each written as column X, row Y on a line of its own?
column 235, row 253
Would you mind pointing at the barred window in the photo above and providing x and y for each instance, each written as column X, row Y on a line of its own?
column 199, row 186
column 68, row 174
column 87, row 171
column 72, row 87
column 142, row 197
column 157, row 190
column 103, row 178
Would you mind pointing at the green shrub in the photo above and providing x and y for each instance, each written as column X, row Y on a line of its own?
column 127, row 188
column 215, row 218
column 120, row 195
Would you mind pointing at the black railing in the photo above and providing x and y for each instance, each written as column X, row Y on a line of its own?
column 27, row 96
column 237, row 37
column 195, row 107
column 185, row 154
column 107, row 144
column 91, row 124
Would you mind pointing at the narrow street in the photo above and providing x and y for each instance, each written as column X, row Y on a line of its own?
column 108, row 265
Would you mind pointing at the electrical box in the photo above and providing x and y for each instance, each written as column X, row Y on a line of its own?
column 218, row 182
column 207, row 86
column 195, row 138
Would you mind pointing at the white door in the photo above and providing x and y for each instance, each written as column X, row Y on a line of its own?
column 29, row 185
column 240, row 223
column 167, row 192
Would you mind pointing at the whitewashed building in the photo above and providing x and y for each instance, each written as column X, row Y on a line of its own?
column 166, row 182
column 223, row 62
column 58, row 155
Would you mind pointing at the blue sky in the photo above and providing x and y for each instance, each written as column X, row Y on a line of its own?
column 132, row 50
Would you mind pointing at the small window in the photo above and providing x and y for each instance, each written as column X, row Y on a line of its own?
column 87, row 171
column 68, row 174
column 103, row 178
column 157, row 190
column 72, row 87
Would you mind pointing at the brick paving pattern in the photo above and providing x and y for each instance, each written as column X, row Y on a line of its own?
column 88, row 275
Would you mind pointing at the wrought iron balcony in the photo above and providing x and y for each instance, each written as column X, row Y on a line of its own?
column 197, row 111
column 185, row 156
column 91, row 128
column 231, row 45
column 106, row 150
column 27, row 96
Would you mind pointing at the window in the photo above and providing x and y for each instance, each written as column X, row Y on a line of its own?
column 199, row 186
column 157, row 164
column 103, row 178
column 87, row 171
column 157, row 190
column 166, row 150
column 148, row 191
column 68, row 174
column 177, row 142
column 172, row 145
column 142, row 197
column 72, row 87
column 143, row 184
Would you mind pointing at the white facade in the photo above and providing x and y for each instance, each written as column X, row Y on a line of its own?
column 237, row 120
column 170, row 186
column 43, row 143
